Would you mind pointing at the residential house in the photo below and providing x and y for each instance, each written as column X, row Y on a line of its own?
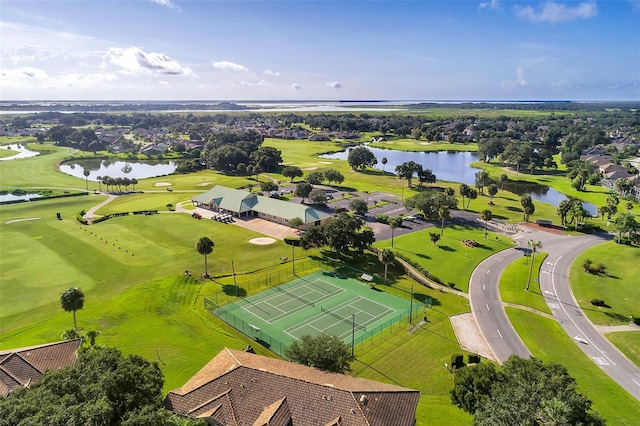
column 241, row 388
column 24, row 366
column 240, row 203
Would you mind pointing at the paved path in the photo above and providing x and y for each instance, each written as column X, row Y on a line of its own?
column 554, row 285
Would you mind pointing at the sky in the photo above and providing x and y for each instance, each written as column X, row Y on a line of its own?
column 319, row 50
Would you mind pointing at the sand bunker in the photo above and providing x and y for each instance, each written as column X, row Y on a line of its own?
column 262, row 241
column 204, row 183
column 325, row 162
column 162, row 184
column 22, row 220
column 310, row 168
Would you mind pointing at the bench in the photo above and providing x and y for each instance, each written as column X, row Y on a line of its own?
column 544, row 222
column 366, row 277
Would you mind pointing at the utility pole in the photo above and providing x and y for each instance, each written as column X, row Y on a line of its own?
column 411, row 304
column 353, row 332
column 233, row 270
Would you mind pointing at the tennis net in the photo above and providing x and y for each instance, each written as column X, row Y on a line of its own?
column 295, row 296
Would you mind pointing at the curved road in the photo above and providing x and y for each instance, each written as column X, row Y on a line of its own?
column 554, row 285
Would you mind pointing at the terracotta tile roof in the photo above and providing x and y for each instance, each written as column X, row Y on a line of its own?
column 23, row 366
column 250, row 389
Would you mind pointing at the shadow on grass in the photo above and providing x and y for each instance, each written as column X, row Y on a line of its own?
column 232, row 290
column 447, row 248
column 513, row 209
column 423, row 256
column 424, row 298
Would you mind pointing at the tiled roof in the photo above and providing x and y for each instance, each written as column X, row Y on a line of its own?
column 23, row 366
column 250, row 389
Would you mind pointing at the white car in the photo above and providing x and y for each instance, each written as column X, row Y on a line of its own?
column 581, row 340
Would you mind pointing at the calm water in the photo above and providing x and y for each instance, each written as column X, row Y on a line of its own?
column 23, row 152
column 455, row 167
column 130, row 169
column 11, row 197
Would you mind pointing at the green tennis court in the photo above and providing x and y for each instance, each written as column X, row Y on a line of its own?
column 322, row 302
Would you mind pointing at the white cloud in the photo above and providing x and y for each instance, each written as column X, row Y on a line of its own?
column 135, row 60
column 334, row 85
column 273, row 73
column 295, row 86
column 520, row 81
column 492, row 4
column 167, row 3
column 230, row 66
column 33, row 79
column 555, row 13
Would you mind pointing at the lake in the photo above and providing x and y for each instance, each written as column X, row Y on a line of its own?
column 23, row 152
column 455, row 167
column 119, row 168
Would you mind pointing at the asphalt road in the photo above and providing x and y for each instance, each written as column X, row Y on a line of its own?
column 554, row 284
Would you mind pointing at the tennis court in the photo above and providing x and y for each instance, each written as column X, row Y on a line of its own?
column 322, row 302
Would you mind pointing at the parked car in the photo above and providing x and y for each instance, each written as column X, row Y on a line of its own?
column 419, row 216
column 410, row 218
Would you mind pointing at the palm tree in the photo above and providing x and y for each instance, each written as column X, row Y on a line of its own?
column 86, row 174
column 386, row 256
column 534, row 246
column 443, row 214
column 394, row 222
column 205, row 247
column 503, row 178
column 99, row 179
column 296, row 222
column 91, row 335
column 72, row 300
column 486, row 215
column 384, row 162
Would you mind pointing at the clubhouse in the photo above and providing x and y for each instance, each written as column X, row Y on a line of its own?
column 240, row 203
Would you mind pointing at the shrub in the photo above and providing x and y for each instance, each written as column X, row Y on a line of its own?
column 473, row 359
column 292, row 241
column 598, row 302
column 451, row 284
column 81, row 219
column 457, row 361
column 382, row 218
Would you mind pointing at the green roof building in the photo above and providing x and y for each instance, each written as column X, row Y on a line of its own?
column 240, row 203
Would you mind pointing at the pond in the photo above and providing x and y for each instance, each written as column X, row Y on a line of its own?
column 119, row 168
column 455, row 167
column 11, row 197
column 23, row 152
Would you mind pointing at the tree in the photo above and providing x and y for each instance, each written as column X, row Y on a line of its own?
column 358, row 206
column 318, row 196
column 492, row 190
column 463, row 190
column 472, row 195
column 482, row 179
column 333, row 175
column 268, row 187
column 524, row 392
column 296, row 222
column 443, row 214
column 72, row 300
column 472, row 386
column 533, row 246
column 103, row 387
column 434, row 237
column 425, row 176
column 623, row 186
column 205, row 248
column 626, row 224
column 303, row 190
column 387, row 257
column 86, row 174
column 292, row 172
column 430, row 201
column 266, row 157
column 315, row 177
column 384, row 162
column 91, row 335
column 503, row 178
column 325, row 351
column 527, row 206
column 486, row 215
column 360, row 158
column 563, row 210
column 394, row 222
column 406, row 170
column 339, row 233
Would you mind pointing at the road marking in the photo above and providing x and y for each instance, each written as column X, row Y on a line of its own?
column 500, row 334
column 600, row 361
column 550, row 263
column 483, row 287
column 488, row 270
column 548, row 292
column 544, row 272
column 635, row 382
column 487, row 305
column 518, row 237
column 553, row 283
column 554, row 306
column 501, row 259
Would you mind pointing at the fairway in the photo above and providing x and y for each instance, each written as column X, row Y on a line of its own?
column 322, row 302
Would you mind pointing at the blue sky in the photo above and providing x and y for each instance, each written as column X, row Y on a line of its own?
column 324, row 50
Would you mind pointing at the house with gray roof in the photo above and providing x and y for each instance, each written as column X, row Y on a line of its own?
column 241, row 388
column 240, row 203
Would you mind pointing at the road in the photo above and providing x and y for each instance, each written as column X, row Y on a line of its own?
column 554, row 285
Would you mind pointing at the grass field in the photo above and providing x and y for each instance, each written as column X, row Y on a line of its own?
column 546, row 339
column 628, row 342
column 618, row 288
column 450, row 260
column 513, row 281
column 145, row 201
column 413, row 145
column 5, row 152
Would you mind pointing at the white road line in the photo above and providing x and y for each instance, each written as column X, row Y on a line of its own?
column 501, row 259
column 488, row 270
column 483, row 287
column 553, row 283
column 635, row 382
column 487, row 305
column 548, row 292
column 500, row 334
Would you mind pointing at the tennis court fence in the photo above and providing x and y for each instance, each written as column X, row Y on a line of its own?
column 365, row 335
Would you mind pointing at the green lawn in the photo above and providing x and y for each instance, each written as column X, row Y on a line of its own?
column 618, row 288
column 450, row 260
column 146, row 201
column 628, row 342
column 513, row 281
column 546, row 339
column 413, row 145
column 5, row 152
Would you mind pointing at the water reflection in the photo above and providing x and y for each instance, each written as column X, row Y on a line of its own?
column 23, row 152
column 117, row 168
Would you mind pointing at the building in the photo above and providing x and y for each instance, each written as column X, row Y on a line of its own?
column 241, row 203
column 21, row 367
column 241, row 388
